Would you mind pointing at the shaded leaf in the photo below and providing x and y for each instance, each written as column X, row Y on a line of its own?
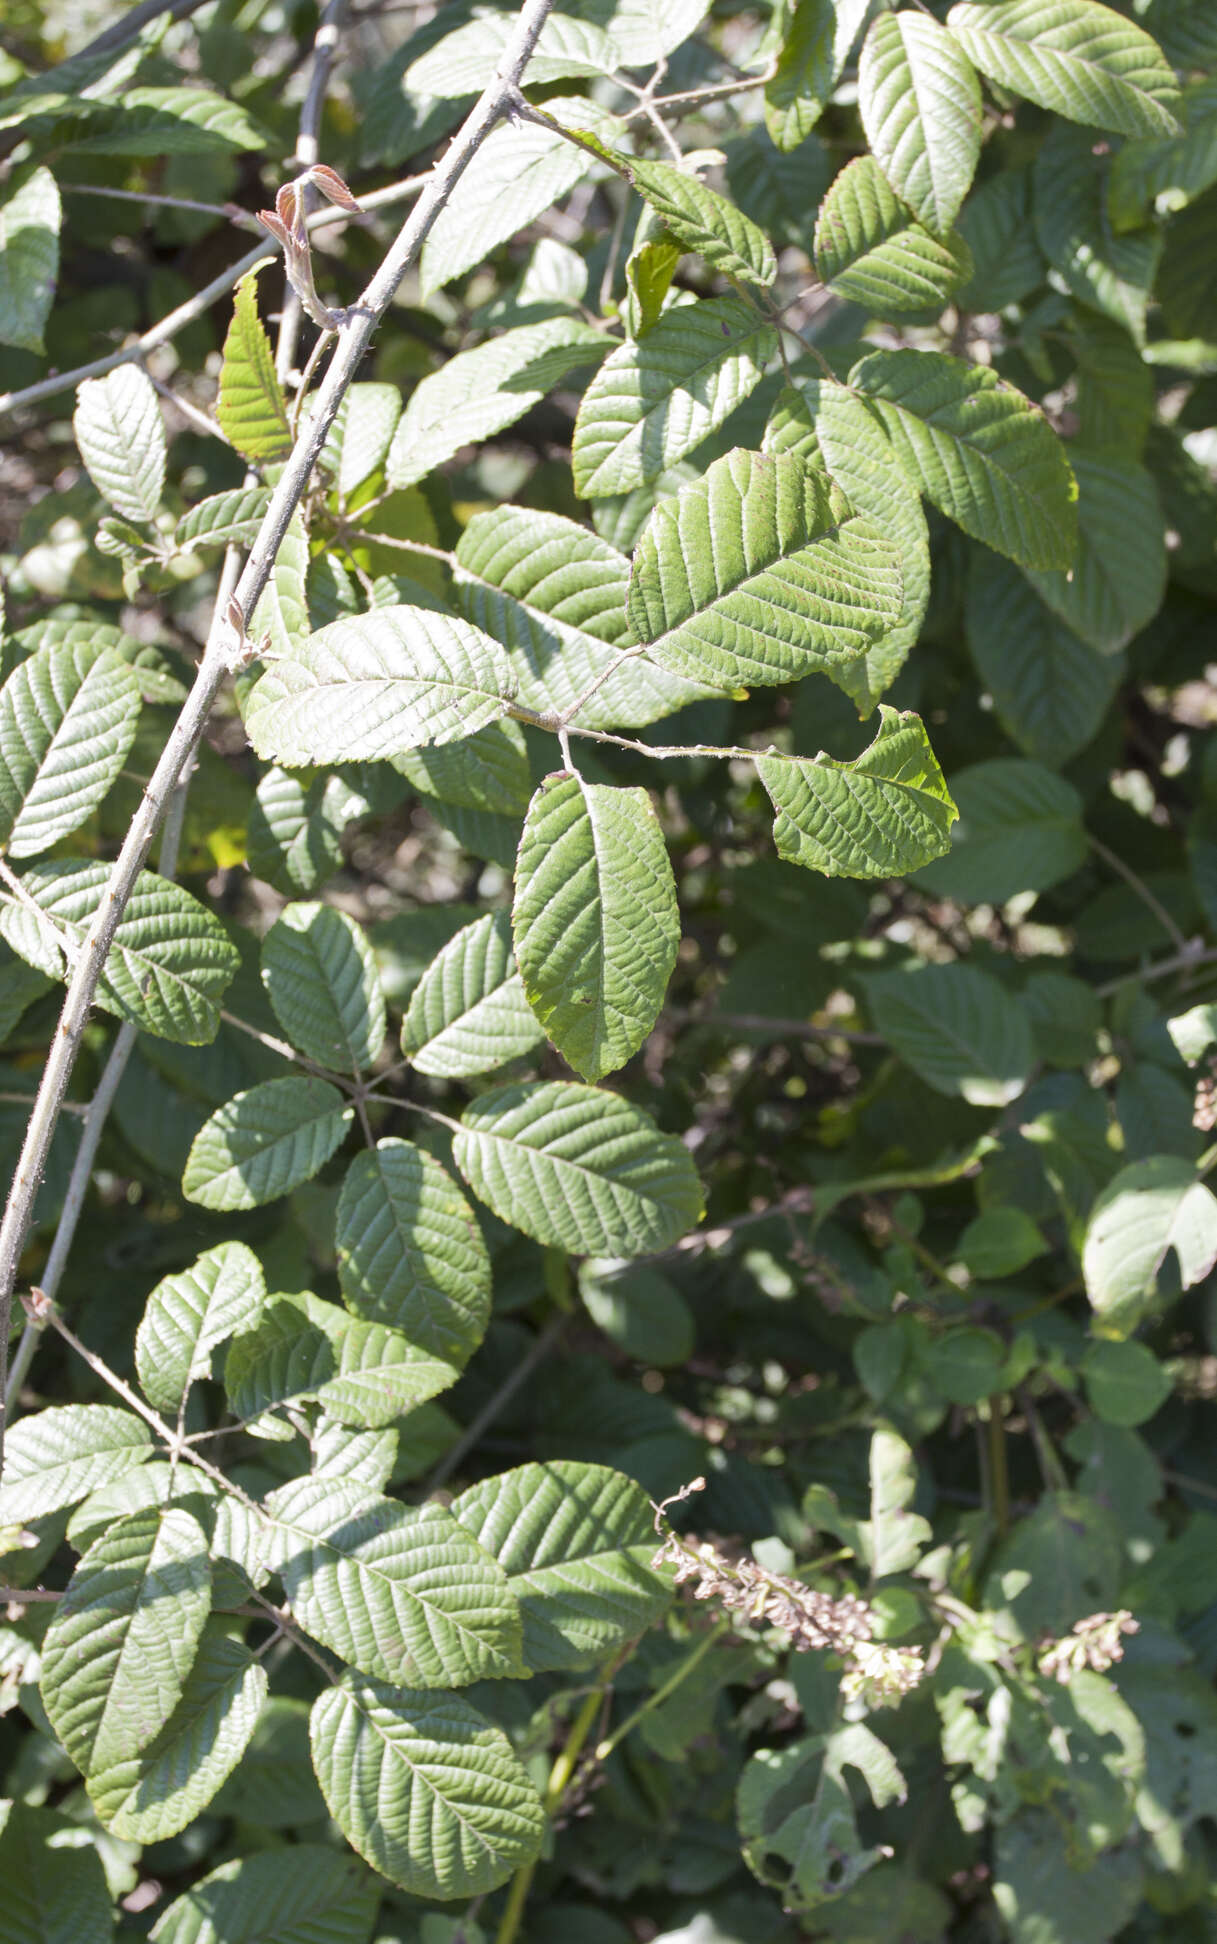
column 870, row 251
column 321, row 979
column 188, row 1314
column 264, row 1142
column 959, row 1030
column 29, row 257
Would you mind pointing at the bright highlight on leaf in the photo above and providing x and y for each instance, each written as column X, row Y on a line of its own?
column 1081, row 60
column 882, row 815
column 251, row 410
column 870, row 251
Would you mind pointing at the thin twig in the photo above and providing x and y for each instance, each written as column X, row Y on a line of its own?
column 354, row 337
column 1193, row 955
column 1138, row 885
column 185, row 314
column 242, row 218
column 308, row 152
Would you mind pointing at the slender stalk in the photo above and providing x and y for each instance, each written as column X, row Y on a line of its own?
column 1190, row 958
column 559, row 1781
column 1138, row 885
column 681, row 1672
column 353, row 340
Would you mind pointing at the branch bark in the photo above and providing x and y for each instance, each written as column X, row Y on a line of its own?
column 352, row 342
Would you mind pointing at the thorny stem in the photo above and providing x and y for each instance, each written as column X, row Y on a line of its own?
column 354, row 337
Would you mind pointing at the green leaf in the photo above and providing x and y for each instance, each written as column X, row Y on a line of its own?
column 797, row 1818
column 123, row 1639
column 282, row 609
column 982, row 452
column 68, row 717
column 361, row 435
column 362, row 689
column 392, row 1763
column 639, row 1310
column 1147, row 1210
column 1187, row 281
column 251, row 411
column 1119, row 575
column 1124, row 1382
column 820, row 417
column 1160, row 177
column 1061, row 1562
column 410, row 1252
column 996, row 225
column 191, row 1312
column 576, row 1542
column 814, row 51
column 921, row 108
column 302, row 1350
column 264, row 1142
column 555, row 596
column 231, row 518
column 171, row 960
column 1044, row 1899
column 55, row 1889
column 401, row 1592
column 869, row 250
column 646, row 30
column 56, row 1457
column 465, row 61
column 480, row 392
column 121, row 437
column 757, row 574
column 158, row 122
column 1020, row 829
column 1074, row 57
column 300, row 1894
column 468, row 1013
column 157, row 1793
column 881, row 815
column 578, row 1169
column 515, row 176
column 1185, row 30
column 1050, row 689
column 1115, row 387
column 656, row 398
column 321, row 979
column 649, row 270
column 295, row 828
column 704, row 221
column 1110, row 273
column 959, row 1030
column 595, row 919
column 1000, row 1242
column 29, row 257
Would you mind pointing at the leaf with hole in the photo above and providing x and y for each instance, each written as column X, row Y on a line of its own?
column 1148, row 1210
column 595, row 920
column 263, row 1143
column 578, row 1169
column 410, row 1252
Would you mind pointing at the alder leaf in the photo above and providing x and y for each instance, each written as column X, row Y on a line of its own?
column 251, row 411
column 29, row 257
column 68, row 717
column 1079, row 59
column 264, row 1142
column 882, row 815
column 121, row 436
column 595, row 919
column 921, row 108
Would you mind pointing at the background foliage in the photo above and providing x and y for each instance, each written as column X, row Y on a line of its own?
column 776, row 381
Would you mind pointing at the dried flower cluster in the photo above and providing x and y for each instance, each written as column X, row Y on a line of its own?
column 1095, row 1642
column 875, row 1674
